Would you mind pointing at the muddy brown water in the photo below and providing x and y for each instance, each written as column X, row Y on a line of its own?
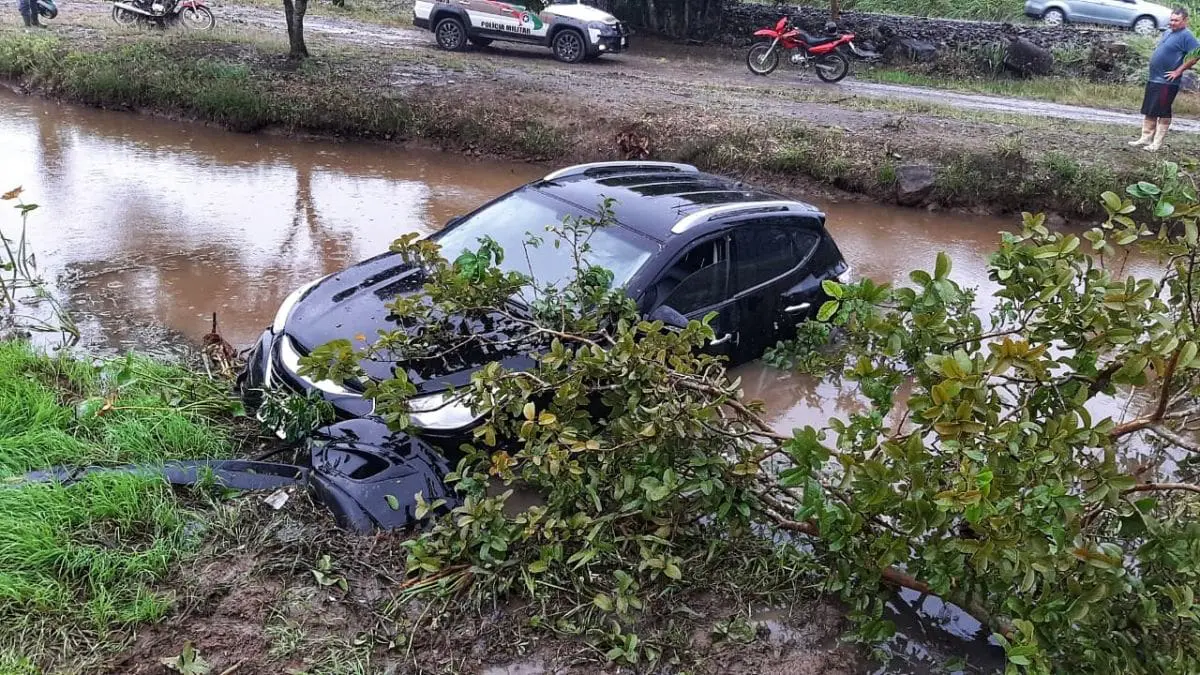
column 146, row 227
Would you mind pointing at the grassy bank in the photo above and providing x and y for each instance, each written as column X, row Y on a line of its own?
column 80, row 561
column 240, row 80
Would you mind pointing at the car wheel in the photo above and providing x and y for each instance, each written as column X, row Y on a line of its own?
column 1054, row 17
column 480, row 41
column 1145, row 26
column 450, row 33
column 568, row 46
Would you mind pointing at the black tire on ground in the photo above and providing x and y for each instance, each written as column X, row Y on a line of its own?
column 832, row 67
column 123, row 17
column 1054, row 17
column 197, row 18
column 450, row 34
column 569, row 46
column 762, row 59
column 1145, row 25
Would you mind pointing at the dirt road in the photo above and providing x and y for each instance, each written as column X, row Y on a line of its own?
column 683, row 69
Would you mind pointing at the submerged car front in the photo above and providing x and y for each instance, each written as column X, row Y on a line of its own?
column 354, row 303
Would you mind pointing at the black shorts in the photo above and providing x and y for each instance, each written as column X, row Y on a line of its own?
column 1158, row 99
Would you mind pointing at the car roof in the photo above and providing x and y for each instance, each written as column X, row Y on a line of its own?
column 663, row 199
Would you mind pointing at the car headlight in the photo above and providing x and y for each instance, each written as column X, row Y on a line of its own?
column 441, row 412
column 285, row 308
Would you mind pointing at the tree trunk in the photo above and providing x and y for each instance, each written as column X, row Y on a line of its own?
column 293, row 13
column 835, row 10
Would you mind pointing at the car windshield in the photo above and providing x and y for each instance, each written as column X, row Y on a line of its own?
column 511, row 220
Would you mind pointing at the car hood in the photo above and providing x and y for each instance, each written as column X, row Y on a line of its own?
column 353, row 304
column 581, row 13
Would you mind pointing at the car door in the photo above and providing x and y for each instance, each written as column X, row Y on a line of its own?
column 695, row 283
column 773, row 285
column 1112, row 12
column 508, row 21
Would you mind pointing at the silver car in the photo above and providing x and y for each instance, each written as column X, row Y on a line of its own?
column 1145, row 18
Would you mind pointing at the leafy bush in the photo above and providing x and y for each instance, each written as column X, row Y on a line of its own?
column 991, row 483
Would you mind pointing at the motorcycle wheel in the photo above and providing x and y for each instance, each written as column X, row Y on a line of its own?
column 761, row 59
column 832, row 67
column 124, row 17
column 197, row 18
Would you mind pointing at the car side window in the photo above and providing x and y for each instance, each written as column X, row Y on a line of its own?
column 697, row 280
column 766, row 252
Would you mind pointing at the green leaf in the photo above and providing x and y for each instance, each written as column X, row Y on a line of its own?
column 827, row 310
column 1187, row 354
column 942, row 267
column 672, row 570
column 1163, row 208
column 832, row 288
column 1111, row 201
column 392, row 502
column 603, row 602
column 538, row 566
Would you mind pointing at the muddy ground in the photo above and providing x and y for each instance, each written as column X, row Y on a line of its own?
column 251, row 604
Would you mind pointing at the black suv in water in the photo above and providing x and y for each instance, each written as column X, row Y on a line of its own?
column 688, row 241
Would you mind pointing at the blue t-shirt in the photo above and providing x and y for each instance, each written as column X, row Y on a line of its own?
column 1169, row 54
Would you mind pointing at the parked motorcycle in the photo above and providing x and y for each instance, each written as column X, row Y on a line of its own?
column 192, row 14
column 813, row 51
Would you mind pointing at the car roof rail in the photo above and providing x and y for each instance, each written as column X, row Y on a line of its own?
column 742, row 208
column 596, row 167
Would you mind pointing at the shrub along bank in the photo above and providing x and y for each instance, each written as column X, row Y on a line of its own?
column 242, row 82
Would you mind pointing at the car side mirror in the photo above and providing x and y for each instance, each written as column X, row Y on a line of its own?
column 670, row 316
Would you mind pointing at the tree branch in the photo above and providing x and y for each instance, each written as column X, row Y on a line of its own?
column 1162, row 487
column 1173, row 438
column 1164, row 392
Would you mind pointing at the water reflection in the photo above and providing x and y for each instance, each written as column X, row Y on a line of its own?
column 172, row 222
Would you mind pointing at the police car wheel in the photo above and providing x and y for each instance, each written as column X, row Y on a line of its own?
column 451, row 34
column 569, row 47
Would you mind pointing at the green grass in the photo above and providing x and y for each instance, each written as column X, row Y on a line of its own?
column 990, row 10
column 77, row 561
column 1072, row 91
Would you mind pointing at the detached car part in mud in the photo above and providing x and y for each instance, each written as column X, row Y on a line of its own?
column 365, row 474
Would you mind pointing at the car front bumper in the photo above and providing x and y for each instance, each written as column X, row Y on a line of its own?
column 272, row 365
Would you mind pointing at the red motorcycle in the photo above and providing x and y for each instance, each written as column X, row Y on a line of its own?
column 810, row 50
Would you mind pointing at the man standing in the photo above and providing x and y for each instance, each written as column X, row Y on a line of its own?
column 29, row 12
column 1166, row 66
